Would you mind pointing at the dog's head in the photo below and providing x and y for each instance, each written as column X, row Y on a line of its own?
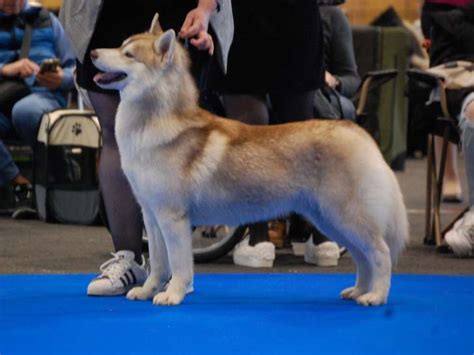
column 141, row 59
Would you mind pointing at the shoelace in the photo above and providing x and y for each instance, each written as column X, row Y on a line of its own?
column 115, row 267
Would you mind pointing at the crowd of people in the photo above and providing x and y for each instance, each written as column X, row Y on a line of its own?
column 271, row 62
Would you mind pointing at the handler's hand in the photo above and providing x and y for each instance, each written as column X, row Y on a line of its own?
column 51, row 80
column 195, row 28
column 22, row 68
column 331, row 81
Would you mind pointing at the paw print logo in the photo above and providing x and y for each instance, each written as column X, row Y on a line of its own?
column 77, row 129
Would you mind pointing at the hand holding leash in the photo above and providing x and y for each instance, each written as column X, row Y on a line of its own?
column 195, row 28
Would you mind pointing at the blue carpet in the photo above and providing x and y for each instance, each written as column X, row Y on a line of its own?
column 250, row 313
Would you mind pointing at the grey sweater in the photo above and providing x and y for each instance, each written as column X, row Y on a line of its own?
column 339, row 56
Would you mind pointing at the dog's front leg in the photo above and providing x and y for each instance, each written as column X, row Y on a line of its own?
column 159, row 265
column 176, row 229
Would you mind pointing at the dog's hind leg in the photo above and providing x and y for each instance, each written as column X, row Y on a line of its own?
column 176, row 229
column 159, row 266
column 363, row 278
column 380, row 266
column 369, row 252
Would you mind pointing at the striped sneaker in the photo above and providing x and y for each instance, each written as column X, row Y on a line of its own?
column 119, row 275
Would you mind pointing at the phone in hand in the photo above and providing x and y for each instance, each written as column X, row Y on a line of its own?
column 49, row 65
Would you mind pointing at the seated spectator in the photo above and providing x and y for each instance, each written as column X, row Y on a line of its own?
column 341, row 76
column 461, row 237
column 452, row 191
column 38, row 93
column 452, row 29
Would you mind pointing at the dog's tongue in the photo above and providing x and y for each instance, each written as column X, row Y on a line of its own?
column 104, row 78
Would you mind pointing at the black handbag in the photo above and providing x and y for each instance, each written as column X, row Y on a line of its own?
column 329, row 104
column 14, row 89
column 11, row 91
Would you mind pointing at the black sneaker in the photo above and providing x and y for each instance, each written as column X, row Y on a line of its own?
column 24, row 207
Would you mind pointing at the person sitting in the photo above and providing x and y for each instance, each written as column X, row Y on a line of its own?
column 452, row 191
column 452, row 30
column 39, row 92
column 461, row 237
column 341, row 76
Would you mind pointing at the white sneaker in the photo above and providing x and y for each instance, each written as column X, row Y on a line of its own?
column 260, row 255
column 324, row 254
column 461, row 237
column 119, row 275
column 298, row 248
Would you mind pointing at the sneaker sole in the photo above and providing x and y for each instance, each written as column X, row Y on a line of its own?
column 322, row 261
column 245, row 261
column 109, row 294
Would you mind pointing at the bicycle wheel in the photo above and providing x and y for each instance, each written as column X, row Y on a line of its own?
column 211, row 243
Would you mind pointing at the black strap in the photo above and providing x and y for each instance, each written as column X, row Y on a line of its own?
column 26, row 44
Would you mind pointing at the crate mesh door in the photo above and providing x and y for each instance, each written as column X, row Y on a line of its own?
column 66, row 184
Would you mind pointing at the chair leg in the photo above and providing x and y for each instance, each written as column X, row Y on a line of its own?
column 450, row 225
column 430, row 169
column 439, row 189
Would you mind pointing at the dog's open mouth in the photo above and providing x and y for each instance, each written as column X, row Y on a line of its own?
column 108, row 78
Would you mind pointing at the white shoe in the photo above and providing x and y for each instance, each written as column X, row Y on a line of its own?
column 324, row 254
column 298, row 248
column 461, row 237
column 260, row 255
column 119, row 275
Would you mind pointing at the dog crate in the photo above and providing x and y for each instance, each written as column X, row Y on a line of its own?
column 65, row 167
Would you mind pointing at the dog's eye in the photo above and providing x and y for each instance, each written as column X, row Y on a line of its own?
column 128, row 54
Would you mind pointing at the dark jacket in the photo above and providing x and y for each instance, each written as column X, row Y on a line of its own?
column 452, row 35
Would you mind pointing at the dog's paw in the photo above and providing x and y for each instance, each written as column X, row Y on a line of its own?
column 371, row 299
column 168, row 298
column 140, row 294
column 350, row 293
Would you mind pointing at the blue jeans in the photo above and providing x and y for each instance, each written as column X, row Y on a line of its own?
column 467, row 139
column 26, row 117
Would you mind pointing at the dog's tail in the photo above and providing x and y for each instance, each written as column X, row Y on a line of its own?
column 397, row 235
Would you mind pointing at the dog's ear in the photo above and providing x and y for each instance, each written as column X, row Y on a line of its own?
column 155, row 27
column 165, row 46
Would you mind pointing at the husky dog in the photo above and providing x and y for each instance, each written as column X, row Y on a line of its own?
column 189, row 167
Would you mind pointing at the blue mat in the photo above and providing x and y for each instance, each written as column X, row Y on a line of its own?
column 251, row 313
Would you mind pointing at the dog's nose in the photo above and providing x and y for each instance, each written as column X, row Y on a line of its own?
column 94, row 54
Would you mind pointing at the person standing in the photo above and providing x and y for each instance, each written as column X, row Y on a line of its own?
column 275, row 66
column 106, row 24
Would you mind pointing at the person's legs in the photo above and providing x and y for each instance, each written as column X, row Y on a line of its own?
column 9, row 172
column 451, row 184
column 8, row 169
column 461, row 237
column 256, row 251
column 27, row 113
column 467, row 138
column 123, row 212
column 127, row 267
column 250, row 109
column 291, row 107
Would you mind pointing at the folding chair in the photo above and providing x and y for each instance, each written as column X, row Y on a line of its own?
column 445, row 125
